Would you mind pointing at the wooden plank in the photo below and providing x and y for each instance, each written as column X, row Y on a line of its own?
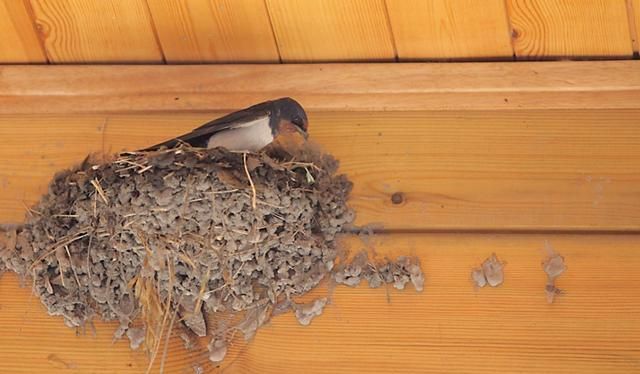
column 552, row 29
column 508, row 170
column 331, row 30
column 325, row 87
column 445, row 29
column 633, row 10
column 81, row 31
column 66, row 146
column 208, row 31
column 450, row 327
column 20, row 42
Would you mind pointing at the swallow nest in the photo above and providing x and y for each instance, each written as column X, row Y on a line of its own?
column 213, row 241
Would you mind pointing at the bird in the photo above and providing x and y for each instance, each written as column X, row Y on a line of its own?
column 248, row 130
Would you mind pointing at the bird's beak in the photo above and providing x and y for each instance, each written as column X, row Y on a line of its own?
column 301, row 131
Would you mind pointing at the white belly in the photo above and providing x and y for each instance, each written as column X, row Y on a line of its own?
column 247, row 137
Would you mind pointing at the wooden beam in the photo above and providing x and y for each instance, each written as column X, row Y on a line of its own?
column 323, row 87
column 450, row 327
column 524, row 170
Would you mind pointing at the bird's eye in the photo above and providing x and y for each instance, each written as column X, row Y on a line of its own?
column 297, row 120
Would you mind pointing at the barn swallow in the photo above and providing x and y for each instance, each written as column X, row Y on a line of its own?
column 248, row 130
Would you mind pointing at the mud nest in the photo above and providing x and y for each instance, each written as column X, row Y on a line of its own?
column 179, row 235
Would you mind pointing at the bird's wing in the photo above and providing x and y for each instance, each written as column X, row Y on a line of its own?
column 200, row 135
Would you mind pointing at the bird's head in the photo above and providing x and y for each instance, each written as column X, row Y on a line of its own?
column 291, row 116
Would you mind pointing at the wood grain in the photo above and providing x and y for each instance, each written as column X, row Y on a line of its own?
column 553, row 29
column 450, row 327
column 105, row 31
column 465, row 170
column 325, row 87
column 20, row 42
column 633, row 10
column 445, row 29
column 331, row 30
column 214, row 31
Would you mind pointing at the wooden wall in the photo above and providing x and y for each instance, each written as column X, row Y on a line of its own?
column 207, row 31
column 489, row 157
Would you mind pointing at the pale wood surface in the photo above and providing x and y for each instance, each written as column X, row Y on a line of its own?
column 480, row 170
column 445, row 29
column 97, row 31
column 214, row 31
column 450, row 327
column 331, row 30
column 518, row 176
column 551, row 28
column 633, row 8
column 197, row 31
column 344, row 87
column 19, row 41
